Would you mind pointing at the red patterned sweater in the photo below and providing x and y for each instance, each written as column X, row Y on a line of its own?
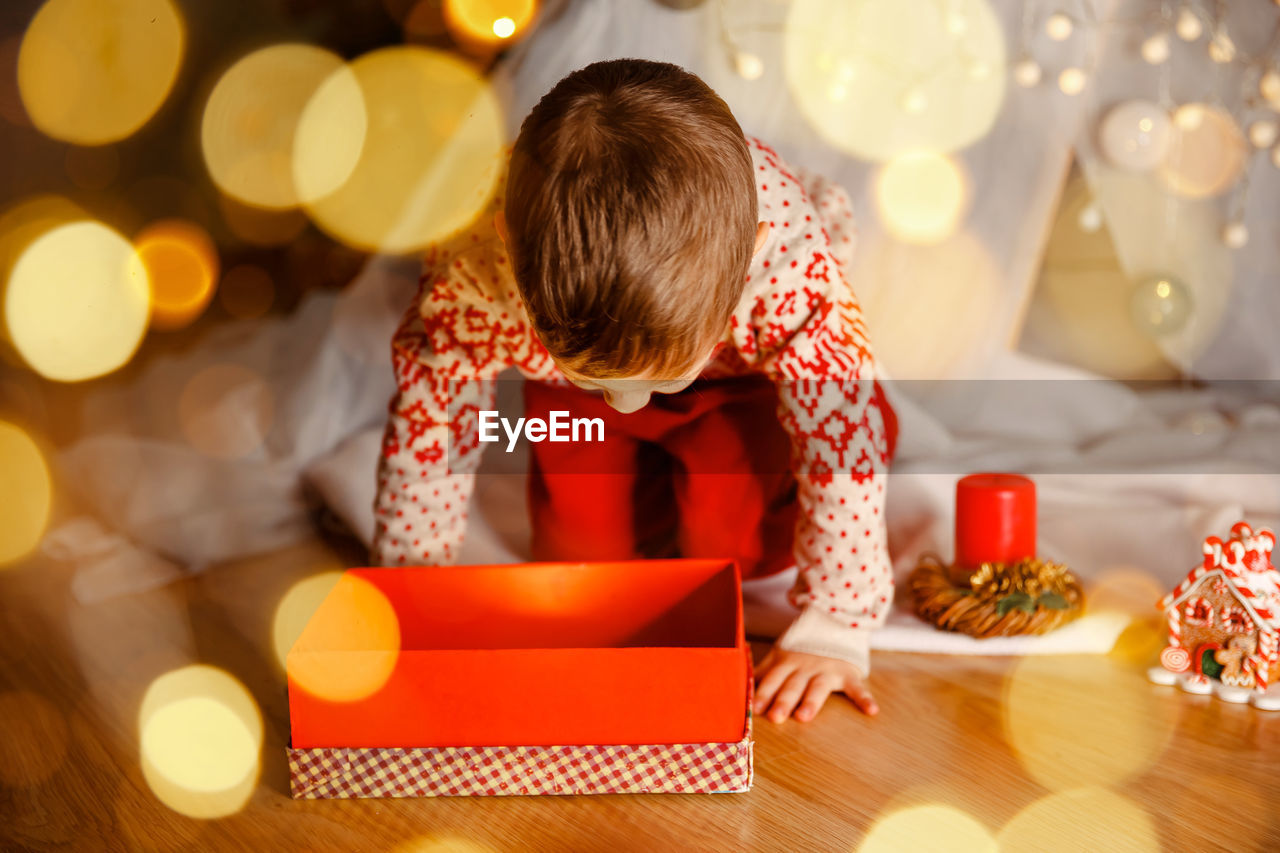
column 798, row 321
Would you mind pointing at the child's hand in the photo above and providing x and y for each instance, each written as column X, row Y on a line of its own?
column 784, row 678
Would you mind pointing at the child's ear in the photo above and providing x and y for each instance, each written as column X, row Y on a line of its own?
column 500, row 225
column 762, row 234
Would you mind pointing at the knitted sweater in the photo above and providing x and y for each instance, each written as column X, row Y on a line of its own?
column 798, row 322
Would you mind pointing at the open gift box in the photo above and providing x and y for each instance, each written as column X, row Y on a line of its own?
column 544, row 678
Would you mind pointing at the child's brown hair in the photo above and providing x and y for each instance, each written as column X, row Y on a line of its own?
column 631, row 211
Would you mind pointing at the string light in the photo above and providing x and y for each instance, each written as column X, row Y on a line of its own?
column 1269, row 87
column 748, row 65
column 1235, row 235
column 1027, row 73
column 1071, row 81
column 1058, row 27
column 1263, row 133
column 1188, row 27
column 1090, row 219
column 1155, row 49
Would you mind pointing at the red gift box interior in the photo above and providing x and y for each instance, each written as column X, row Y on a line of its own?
column 530, row 654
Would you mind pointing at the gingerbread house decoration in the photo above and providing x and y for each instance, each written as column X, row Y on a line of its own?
column 1224, row 622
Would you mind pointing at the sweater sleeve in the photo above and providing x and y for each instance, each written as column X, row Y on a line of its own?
column 446, row 353
column 806, row 330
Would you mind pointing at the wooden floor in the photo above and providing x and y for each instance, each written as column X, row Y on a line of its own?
column 1043, row 754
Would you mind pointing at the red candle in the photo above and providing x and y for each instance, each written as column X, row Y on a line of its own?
column 995, row 519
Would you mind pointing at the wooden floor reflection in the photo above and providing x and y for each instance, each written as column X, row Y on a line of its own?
column 996, row 741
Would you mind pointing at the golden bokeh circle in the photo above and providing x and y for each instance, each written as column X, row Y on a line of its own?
column 92, row 72
column 922, row 197
column 356, row 617
column 1076, row 720
column 877, row 80
column 200, row 738
column 78, row 302
column 400, row 197
column 247, row 134
column 1089, row 818
column 932, row 826
column 26, row 494
column 182, row 266
column 1207, row 153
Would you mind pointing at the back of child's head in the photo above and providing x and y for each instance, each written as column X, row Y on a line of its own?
column 631, row 211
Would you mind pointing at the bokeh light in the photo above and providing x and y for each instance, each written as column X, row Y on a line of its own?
column 93, row 72
column 35, row 738
column 1135, row 135
column 478, row 24
column 1090, row 818
column 28, row 220
column 928, row 827
column 251, row 118
column 1160, row 305
column 1077, row 720
column 77, row 302
column 246, row 292
column 182, row 266
column 356, row 617
column 401, row 197
column 1207, row 153
column 200, row 734
column 880, row 79
column 225, row 411
column 295, row 610
column 26, row 494
column 921, row 197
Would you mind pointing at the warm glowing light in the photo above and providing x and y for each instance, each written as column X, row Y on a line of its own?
column 26, row 493
column 487, row 23
column 356, row 616
column 1075, row 720
column 35, row 739
column 295, row 610
column 400, row 197
column 903, row 73
column 29, row 220
column 225, row 411
column 1072, row 81
column 1207, row 154
column 1161, row 306
column 77, row 302
column 1058, row 27
column 182, row 265
column 93, row 72
column 246, row 292
column 200, row 735
column 921, row 197
column 251, row 122
column 928, row 827
column 1083, row 819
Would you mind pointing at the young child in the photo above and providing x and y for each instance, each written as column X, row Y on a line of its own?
column 648, row 265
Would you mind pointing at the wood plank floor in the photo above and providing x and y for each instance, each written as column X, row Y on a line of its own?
column 1043, row 754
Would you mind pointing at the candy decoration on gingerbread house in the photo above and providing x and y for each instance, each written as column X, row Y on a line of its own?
column 1224, row 622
